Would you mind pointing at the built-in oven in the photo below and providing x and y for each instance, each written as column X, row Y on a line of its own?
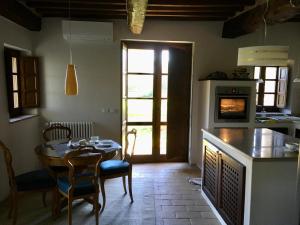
column 232, row 104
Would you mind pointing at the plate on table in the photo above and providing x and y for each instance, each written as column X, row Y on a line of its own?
column 105, row 143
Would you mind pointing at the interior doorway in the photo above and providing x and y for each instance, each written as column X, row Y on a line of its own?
column 156, row 81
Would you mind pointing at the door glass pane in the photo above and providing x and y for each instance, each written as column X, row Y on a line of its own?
column 163, row 110
column 163, row 139
column 14, row 65
column 165, row 61
column 256, row 99
column 257, row 86
column 143, row 144
column 140, row 86
column 140, row 110
column 15, row 83
column 270, row 86
column 140, row 61
column 269, row 99
column 164, row 86
column 16, row 100
column 271, row 72
column 256, row 72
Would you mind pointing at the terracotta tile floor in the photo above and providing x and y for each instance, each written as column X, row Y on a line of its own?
column 162, row 197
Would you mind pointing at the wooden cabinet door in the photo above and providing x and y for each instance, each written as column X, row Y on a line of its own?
column 231, row 189
column 210, row 172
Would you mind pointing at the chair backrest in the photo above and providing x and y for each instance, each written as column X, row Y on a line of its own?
column 130, row 144
column 9, row 168
column 49, row 132
column 83, row 164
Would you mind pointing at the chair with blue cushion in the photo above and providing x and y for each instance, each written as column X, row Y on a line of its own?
column 119, row 168
column 34, row 181
column 82, row 179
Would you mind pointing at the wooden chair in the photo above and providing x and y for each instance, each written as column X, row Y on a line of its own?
column 119, row 168
column 49, row 133
column 82, row 180
column 53, row 129
column 34, row 181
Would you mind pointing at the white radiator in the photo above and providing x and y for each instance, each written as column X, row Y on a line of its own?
column 79, row 129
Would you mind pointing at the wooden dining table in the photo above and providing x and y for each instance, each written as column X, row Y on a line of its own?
column 52, row 153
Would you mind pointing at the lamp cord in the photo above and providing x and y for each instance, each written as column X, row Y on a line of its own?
column 70, row 35
column 265, row 20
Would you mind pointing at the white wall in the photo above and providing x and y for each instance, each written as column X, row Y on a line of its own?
column 21, row 137
column 99, row 68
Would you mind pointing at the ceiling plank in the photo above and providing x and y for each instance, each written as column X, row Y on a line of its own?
column 19, row 14
column 154, row 3
column 249, row 21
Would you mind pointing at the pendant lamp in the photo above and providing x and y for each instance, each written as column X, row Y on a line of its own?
column 71, row 84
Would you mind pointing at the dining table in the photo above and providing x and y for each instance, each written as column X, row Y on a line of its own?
column 52, row 153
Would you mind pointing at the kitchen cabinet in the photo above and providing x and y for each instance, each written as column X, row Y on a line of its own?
column 255, row 178
column 223, row 183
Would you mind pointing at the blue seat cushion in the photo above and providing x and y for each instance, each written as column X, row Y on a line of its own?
column 83, row 187
column 109, row 167
column 34, row 180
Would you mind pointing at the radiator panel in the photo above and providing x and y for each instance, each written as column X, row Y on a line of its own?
column 80, row 130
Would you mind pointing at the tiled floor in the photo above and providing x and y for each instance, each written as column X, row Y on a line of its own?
column 162, row 197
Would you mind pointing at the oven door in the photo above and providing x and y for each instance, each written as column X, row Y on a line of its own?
column 232, row 108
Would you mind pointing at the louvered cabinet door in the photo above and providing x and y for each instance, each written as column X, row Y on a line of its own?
column 210, row 172
column 231, row 189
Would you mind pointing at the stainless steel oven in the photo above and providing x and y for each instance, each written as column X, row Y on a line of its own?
column 232, row 104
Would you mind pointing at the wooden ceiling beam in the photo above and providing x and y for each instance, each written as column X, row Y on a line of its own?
column 101, row 10
column 64, row 13
column 152, row 3
column 249, row 21
column 149, row 9
column 19, row 14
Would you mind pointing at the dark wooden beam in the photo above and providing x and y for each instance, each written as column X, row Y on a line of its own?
column 19, row 14
column 249, row 21
column 116, row 14
column 158, row 3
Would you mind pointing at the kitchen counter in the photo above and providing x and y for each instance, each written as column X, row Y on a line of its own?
column 257, row 143
column 250, row 170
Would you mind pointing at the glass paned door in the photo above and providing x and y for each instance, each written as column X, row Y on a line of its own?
column 146, row 88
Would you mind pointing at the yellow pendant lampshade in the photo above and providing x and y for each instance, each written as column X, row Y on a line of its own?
column 71, row 85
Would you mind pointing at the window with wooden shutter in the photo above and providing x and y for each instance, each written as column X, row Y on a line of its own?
column 282, row 87
column 22, row 82
column 271, row 91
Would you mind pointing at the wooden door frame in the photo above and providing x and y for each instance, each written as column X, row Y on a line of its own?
column 155, row 156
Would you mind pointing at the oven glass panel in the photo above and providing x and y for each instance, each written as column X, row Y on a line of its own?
column 232, row 105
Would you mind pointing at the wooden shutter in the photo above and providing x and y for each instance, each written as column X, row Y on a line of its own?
column 179, row 86
column 282, row 87
column 30, row 82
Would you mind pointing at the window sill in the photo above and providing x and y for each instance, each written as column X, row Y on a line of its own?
column 20, row 118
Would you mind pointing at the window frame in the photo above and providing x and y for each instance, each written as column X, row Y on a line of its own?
column 261, row 90
column 9, row 54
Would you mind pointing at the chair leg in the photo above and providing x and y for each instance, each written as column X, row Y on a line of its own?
column 10, row 202
column 55, row 202
column 130, row 185
column 44, row 199
column 70, row 211
column 103, row 193
column 96, row 207
column 124, row 184
column 15, row 208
